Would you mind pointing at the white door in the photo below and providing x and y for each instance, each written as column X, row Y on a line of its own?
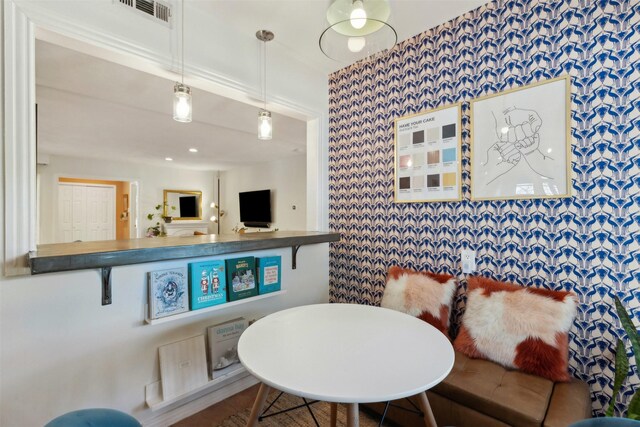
column 85, row 212
column 65, row 213
column 78, row 212
column 100, row 213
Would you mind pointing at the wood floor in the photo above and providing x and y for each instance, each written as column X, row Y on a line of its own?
column 215, row 414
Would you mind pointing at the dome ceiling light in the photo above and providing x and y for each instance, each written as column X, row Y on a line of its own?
column 357, row 29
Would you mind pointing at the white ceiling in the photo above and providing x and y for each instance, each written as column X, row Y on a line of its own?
column 297, row 24
column 89, row 107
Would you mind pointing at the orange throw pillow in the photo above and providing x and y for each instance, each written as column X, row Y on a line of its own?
column 518, row 327
column 425, row 295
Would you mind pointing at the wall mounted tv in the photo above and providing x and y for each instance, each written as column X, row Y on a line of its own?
column 255, row 208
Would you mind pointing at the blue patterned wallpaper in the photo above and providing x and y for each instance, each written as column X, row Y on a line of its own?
column 589, row 243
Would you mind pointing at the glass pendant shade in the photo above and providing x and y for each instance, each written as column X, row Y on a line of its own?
column 264, row 125
column 357, row 30
column 265, row 128
column 182, row 103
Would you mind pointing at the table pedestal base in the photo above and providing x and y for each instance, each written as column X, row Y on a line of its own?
column 352, row 410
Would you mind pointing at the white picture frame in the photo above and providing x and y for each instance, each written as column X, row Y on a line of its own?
column 521, row 142
column 428, row 156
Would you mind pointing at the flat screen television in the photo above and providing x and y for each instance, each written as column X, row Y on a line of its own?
column 255, row 208
column 189, row 207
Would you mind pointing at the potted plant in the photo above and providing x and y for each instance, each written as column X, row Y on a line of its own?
column 156, row 230
column 622, row 363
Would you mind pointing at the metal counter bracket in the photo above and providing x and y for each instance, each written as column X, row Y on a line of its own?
column 106, row 285
column 294, row 253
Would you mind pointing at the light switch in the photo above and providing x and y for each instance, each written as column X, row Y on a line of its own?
column 468, row 259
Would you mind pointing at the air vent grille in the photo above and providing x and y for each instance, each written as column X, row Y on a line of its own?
column 163, row 12
column 154, row 9
column 145, row 6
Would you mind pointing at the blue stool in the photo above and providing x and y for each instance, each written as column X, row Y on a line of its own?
column 97, row 417
column 607, row 422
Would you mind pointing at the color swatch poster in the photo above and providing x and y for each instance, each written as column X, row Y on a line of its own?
column 427, row 156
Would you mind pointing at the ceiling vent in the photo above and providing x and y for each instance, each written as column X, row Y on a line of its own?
column 159, row 11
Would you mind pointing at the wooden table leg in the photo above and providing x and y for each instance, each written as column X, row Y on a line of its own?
column 258, row 405
column 334, row 414
column 352, row 415
column 429, row 419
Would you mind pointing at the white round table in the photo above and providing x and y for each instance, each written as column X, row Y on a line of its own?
column 345, row 353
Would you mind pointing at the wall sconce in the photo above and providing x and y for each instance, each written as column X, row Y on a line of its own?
column 217, row 216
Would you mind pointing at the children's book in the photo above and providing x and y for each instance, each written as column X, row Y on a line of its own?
column 183, row 366
column 168, row 292
column 223, row 343
column 208, row 284
column 241, row 279
column 268, row 274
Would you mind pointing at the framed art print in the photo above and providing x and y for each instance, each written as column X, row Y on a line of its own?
column 520, row 142
column 427, row 156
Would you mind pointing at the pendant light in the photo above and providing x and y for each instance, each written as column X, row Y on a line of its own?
column 181, row 92
column 265, row 127
column 357, row 29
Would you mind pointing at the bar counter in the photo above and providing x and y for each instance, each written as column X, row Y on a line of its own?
column 56, row 257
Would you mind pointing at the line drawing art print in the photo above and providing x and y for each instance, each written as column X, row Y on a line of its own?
column 520, row 142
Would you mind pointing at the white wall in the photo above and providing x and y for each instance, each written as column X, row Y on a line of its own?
column 286, row 178
column 60, row 350
column 152, row 180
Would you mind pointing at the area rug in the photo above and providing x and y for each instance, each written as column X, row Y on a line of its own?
column 297, row 418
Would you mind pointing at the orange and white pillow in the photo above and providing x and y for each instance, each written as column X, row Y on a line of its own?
column 424, row 295
column 518, row 327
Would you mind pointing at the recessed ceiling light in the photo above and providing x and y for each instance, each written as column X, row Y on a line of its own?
column 168, row 159
column 193, row 150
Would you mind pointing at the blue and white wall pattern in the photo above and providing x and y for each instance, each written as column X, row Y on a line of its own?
column 589, row 243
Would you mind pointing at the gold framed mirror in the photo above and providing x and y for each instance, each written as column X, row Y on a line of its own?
column 183, row 204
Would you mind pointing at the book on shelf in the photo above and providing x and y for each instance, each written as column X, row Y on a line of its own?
column 168, row 292
column 207, row 284
column 241, row 279
column 268, row 272
column 183, row 367
column 223, row 344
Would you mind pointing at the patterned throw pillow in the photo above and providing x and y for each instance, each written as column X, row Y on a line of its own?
column 518, row 327
column 427, row 296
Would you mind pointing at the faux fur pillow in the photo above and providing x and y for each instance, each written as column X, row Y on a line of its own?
column 424, row 295
column 523, row 328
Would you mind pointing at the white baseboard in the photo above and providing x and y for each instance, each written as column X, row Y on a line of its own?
column 180, row 411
